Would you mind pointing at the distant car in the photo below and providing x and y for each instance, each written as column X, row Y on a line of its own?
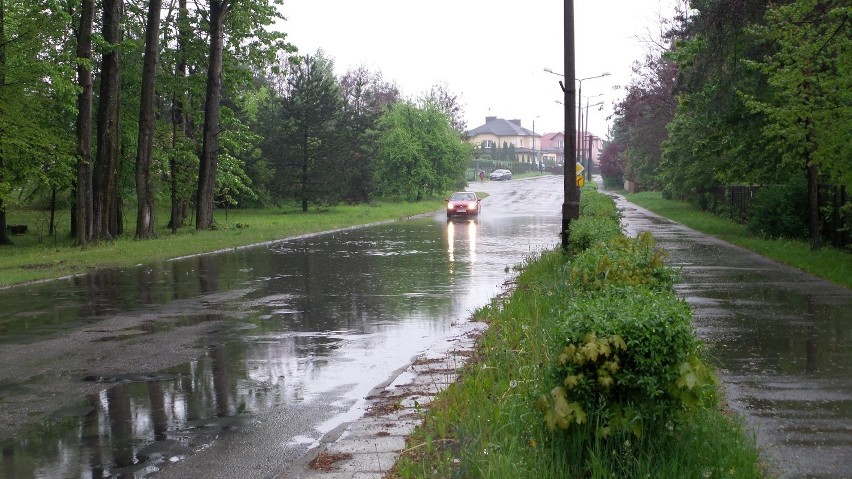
column 463, row 203
column 501, row 174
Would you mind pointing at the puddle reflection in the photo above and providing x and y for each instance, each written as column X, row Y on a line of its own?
column 463, row 232
column 260, row 336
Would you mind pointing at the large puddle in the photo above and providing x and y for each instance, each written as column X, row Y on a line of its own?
column 264, row 349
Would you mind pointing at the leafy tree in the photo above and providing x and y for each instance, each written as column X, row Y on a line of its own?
column 808, row 105
column 144, row 187
column 612, row 159
column 209, row 150
column 366, row 96
column 302, row 137
column 82, row 224
column 447, row 103
column 252, row 43
column 646, row 110
column 713, row 138
column 105, row 183
column 36, row 99
column 419, row 153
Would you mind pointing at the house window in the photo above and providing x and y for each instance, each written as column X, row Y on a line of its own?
column 487, row 144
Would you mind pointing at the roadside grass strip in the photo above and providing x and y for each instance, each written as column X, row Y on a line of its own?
column 590, row 368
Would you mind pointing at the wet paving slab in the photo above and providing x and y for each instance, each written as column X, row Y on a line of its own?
column 782, row 342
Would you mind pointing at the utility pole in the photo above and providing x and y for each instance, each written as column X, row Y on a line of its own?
column 571, row 202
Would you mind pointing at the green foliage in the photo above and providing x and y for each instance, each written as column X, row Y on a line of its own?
column 599, row 221
column 587, row 231
column 622, row 261
column 596, row 204
column 808, row 102
column 418, row 152
column 302, row 131
column 781, row 211
column 630, row 362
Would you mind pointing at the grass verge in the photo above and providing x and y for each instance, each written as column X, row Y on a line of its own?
column 827, row 263
column 37, row 256
column 490, row 424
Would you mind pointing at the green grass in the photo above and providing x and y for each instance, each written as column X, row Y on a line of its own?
column 827, row 263
column 486, row 425
column 37, row 256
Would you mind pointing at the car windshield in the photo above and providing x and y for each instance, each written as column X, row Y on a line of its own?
column 462, row 197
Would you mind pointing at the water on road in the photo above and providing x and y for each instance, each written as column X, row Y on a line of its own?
column 234, row 364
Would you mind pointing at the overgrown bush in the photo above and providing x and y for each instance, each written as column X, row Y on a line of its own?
column 620, row 262
column 781, row 211
column 630, row 363
column 631, row 360
column 586, row 231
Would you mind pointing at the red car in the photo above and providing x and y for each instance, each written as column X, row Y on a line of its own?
column 463, row 203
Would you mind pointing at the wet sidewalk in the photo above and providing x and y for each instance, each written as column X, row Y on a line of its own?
column 781, row 338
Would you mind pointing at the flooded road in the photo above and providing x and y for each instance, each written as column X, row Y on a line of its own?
column 235, row 364
column 781, row 338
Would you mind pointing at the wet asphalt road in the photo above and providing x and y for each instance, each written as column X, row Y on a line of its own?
column 782, row 340
column 235, row 364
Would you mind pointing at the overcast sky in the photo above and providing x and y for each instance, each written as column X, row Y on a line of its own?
column 492, row 53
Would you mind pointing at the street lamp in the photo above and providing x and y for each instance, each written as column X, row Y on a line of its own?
column 580, row 97
column 535, row 155
column 589, row 158
column 579, row 100
column 584, row 126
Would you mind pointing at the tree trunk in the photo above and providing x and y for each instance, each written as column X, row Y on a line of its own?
column 51, row 228
column 813, row 173
column 210, row 145
column 83, row 207
column 4, row 238
column 305, row 171
column 144, row 185
column 180, row 121
column 813, row 206
column 105, row 184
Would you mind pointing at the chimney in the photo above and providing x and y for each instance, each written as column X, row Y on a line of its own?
column 489, row 119
column 517, row 122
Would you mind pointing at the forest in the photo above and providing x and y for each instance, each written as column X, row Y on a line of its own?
column 185, row 107
column 750, row 97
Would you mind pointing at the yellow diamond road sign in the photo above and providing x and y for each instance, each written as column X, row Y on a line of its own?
column 580, row 168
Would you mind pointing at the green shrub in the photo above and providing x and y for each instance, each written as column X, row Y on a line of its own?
column 589, row 230
column 622, row 262
column 630, row 363
column 599, row 221
column 780, row 211
column 593, row 203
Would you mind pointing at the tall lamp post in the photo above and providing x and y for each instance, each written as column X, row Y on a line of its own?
column 535, row 154
column 580, row 96
column 571, row 204
column 590, row 136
